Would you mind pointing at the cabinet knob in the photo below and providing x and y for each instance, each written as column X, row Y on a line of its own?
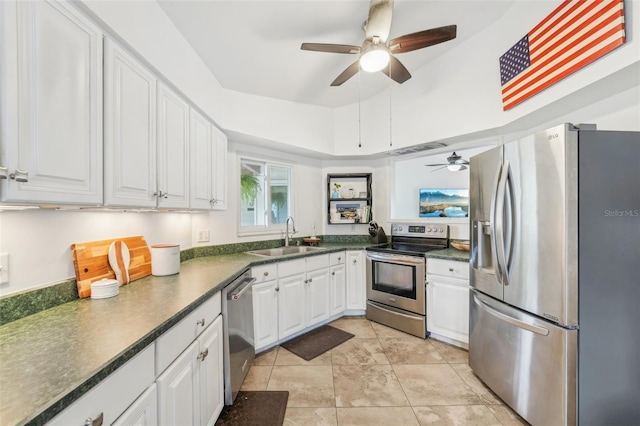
column 310, row 279
column 20, row 176
column 450, row 269
column 339, row 259
column 266, row 274
column 306, row 281
column 200, row 322
column 94, row 422
column 203, row 354
column 355, row 260
column 4, row 173
column 213, row 201
column 277, row 288
column 161, row 194
column 333, row 273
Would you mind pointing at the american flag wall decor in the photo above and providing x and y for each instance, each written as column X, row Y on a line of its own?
column 575, row 34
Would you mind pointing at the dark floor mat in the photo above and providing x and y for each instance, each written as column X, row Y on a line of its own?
column 316, row 342
column 259, row 408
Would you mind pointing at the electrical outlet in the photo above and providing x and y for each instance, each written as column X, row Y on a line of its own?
column 203, row 236
column 4, row 268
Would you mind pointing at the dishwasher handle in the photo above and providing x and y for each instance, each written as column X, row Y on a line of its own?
column 240, row 289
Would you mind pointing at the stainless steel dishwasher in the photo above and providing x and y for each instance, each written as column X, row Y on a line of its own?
column 237, row 319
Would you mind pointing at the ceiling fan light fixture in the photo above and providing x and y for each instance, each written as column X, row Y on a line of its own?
column 374, row 59
column 454, row 167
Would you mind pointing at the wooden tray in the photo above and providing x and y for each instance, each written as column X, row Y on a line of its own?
column 91, row 261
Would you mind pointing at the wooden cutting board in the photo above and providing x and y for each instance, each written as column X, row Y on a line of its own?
column 91, row 261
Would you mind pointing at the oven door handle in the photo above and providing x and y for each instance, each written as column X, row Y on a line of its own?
column 396, row 258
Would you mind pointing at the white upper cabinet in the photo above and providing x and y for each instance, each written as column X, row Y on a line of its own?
column 51, row 104
column 173, row 149
column 201, row 155
column 219, row 170
column 208, row 164
column 130, row 130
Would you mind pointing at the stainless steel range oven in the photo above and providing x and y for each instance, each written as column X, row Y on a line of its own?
column 396, row 276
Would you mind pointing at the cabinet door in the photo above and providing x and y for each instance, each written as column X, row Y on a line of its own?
column 143, row 412
column 179, row 390
column 338, row 289
column 201, row 186
column 173, row 149
column 130, row 130
column 51, row 127
column 291, row 305
column 265, row 314
column 219, row 170
column 318, row 296
column 211, row 373
column 356, row 285
column 448, row 307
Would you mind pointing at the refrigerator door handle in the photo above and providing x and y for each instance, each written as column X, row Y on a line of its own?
column 506, row 318
column 493, row 225
column 499, row 224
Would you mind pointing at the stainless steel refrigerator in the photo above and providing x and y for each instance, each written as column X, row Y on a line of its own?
column 555, row 275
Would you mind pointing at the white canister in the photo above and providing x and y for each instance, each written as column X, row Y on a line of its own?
column 165, row 259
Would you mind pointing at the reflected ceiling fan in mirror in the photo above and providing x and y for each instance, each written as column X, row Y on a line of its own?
column 455, row 163
column 376, row 52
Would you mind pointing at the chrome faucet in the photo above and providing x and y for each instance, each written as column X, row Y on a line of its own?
column 286, row 232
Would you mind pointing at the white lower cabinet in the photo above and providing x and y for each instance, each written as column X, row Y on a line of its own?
column 448, row 300
column 356, row 284
column 143, row 412
column 291, row 304
column 265, row 305
column 292, row 296
column 190, row 390
column 337, row 278
column 111, row 397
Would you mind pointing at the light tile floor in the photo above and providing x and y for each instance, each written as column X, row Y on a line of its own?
column 380, row 377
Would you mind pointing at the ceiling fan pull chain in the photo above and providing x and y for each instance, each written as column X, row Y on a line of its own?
column 390, row 122
column 359, row 111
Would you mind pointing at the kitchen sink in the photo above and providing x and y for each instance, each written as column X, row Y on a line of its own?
column 283, row 251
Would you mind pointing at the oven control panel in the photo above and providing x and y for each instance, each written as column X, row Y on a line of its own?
column 420, row 230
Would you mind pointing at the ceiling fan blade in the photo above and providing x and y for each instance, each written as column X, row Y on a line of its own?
column 439, row 168
column 463, row 168
column 379, row 21
column 396, row 71
column 330, row 48
column 433, row 165
column 347, row 74
column 421, row 39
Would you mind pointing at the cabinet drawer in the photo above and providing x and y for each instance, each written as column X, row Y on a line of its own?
column 265, row 273
column 113, row 395
column 448, row 268
column 336, row 258
column 175, row 340
column 317, row 262
column 292, row 267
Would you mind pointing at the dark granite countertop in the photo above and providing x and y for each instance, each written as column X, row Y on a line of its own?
column 50, row 359
column 449, row 254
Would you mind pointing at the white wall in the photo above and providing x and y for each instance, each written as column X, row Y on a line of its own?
column 39, row 241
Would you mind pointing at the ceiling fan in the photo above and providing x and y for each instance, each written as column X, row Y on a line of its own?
column 376, row 52
column 455, row 163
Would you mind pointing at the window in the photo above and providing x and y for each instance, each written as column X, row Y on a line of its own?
column 265, row 196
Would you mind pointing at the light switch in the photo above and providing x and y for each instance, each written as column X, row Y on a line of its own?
column 4, row 268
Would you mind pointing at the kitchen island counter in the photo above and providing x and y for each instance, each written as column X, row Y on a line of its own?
column 53, row 357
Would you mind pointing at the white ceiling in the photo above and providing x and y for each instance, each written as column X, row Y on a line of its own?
column 254, row 46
